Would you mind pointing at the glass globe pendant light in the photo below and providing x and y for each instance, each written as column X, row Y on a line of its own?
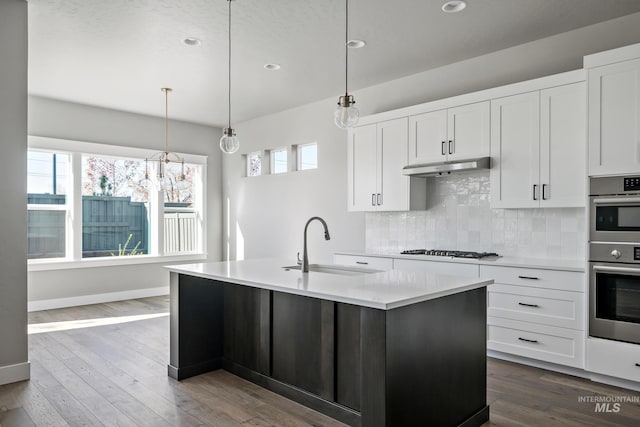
column 229, row 143
column 346, row 115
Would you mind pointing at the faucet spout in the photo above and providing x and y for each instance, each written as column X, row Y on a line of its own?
column 305, row 256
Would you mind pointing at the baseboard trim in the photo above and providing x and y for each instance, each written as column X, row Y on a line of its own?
column 50, row 304
column 576, row 372
column 569, row 370
column 14, row 373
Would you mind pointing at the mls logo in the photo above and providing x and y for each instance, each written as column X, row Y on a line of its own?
column 607, row 407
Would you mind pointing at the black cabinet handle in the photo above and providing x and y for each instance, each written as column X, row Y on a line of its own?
column 526, row 340
column 362, row 262
column 450, row 151
column 528, row 305
column 373, row 199
column 544, row 193
column 442, row 149
column 535, row 187
column 638, row 364
column 379, row 198
column 528, row 277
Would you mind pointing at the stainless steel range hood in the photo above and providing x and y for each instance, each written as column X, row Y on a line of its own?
column 447, row 168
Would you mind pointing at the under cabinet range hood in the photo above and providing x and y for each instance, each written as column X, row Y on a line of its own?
column 446, row 168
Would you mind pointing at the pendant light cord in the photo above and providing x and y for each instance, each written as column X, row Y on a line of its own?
column 229, row 64
column 346, row 48
column 166, row 120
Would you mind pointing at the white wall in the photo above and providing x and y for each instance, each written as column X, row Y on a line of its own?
column 271, row 210
column 13, row 164
column 64, row 120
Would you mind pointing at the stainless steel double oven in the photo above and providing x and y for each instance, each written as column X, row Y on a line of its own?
column 614, row 258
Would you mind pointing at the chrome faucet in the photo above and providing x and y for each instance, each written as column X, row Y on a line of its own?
column 305, row 256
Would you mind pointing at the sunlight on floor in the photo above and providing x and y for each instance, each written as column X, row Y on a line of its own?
column 39, row 328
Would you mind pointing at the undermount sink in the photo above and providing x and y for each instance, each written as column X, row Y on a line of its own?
column 344, row 270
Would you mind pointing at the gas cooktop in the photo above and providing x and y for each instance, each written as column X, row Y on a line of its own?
column 442, row 252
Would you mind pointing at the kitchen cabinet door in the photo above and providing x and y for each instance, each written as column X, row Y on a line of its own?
column 563, row 145
column 428, row 137
column 363, row 165
column 614, row 118
column 392, row 148
column 468, row 134
column 515, row 151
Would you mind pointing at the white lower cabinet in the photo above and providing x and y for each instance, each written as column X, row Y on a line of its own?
column 536, row 313
column 438, row 267
column 613, row 358
column 563, row 346
column 378, row 263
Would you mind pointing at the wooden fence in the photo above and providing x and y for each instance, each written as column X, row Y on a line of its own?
column 106, row 223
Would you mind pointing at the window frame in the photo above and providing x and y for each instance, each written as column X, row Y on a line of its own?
column 299, row 149
column 73, row 243
column 272, row 160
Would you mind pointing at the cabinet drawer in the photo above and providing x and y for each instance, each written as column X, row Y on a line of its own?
column 614, row 358
column 364, row 261
column 437, row 267
column 550, row 279
column 542, row 342
column 546, row 306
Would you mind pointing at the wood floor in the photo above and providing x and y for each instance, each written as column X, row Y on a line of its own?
column 106, row 364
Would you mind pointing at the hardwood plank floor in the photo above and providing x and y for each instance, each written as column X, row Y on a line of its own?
column 106, row 365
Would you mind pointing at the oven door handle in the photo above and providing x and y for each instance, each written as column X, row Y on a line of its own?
column 616, row 200
column 622, row 270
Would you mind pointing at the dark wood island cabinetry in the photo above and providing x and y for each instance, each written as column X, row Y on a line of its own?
column 422, row 363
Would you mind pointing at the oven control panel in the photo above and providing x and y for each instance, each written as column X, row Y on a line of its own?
column 632, row 183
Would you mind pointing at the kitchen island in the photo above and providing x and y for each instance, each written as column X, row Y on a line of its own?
column 393, row 348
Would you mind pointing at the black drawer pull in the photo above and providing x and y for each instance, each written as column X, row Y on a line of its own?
column 362, row 262
column 528, row 305
column 638, row 364
column 528, row 277
column 526, row 340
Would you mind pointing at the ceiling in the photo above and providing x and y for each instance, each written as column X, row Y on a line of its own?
column 119, row 53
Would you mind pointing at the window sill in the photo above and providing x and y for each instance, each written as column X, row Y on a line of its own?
column 63, row 264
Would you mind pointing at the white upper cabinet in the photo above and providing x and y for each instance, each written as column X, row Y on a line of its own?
column 468, row 131
column 563, row 136
column 363, row 168
column 376, row 155
column 614, row 118
column 538, row 148
column 450, row 134
column 515, row 151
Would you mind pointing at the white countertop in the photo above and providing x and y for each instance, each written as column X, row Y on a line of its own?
column 543, row 263
column 384, row 290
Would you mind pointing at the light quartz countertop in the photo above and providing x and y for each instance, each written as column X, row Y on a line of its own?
column 382, row 289
column 542, row 263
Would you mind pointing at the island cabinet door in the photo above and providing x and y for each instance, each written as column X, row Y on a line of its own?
column 246, row 327
column 303, row 343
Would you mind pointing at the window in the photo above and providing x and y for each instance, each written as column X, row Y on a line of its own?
column 254, row 164
column 308, row 156
column 111, row 211
column 115, row 207
column 47, row 209
column 279, row 160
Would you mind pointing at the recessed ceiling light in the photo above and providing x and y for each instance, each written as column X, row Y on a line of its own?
column 271, row 67
column 356, row 44
column 453, row 6
column 192, row 41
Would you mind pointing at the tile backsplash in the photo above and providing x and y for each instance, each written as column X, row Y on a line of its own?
column 459, row 217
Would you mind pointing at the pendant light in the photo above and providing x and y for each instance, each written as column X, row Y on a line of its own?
column 229, row 143
column 346, row 115
column 164, row 157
